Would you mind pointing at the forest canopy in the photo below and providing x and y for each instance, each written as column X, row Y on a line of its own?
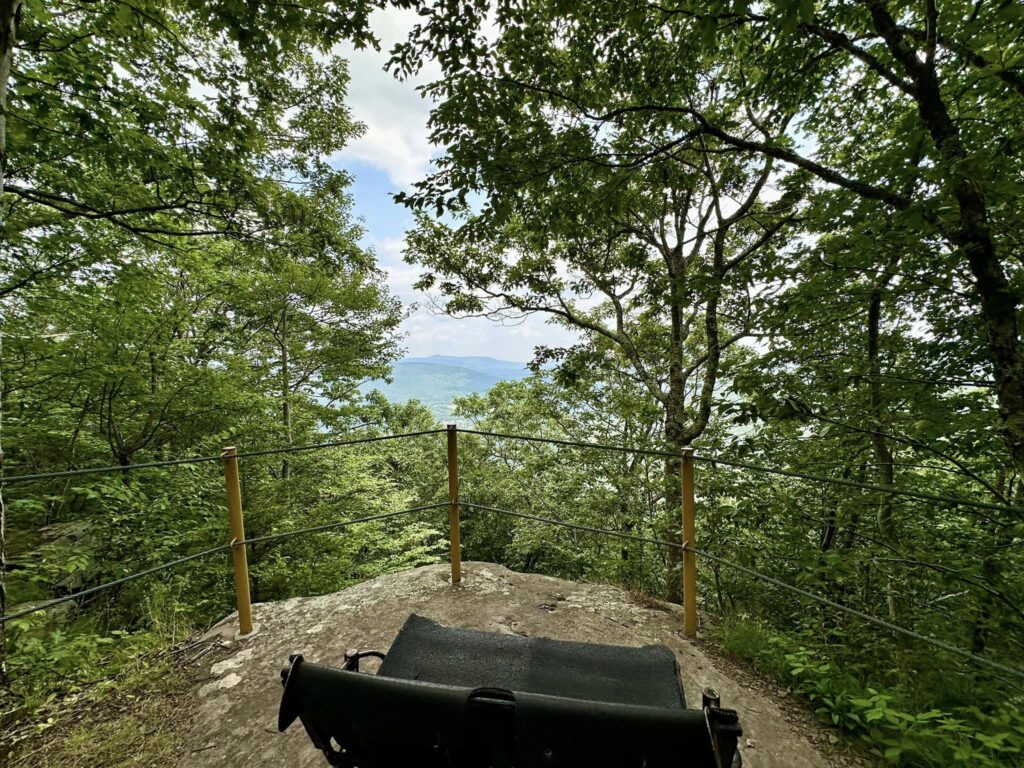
column 785, row 234
column 790, row 231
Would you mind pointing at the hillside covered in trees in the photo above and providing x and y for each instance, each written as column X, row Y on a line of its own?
column 786, row 234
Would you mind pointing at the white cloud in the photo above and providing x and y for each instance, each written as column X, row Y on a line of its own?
column 429, row 332
column 396, row 143
column 400, row 276
column 396, row 138
column 432, row 334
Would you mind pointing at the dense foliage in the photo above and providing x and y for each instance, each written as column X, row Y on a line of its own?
column 784, row 233
column 789, row 231
column 911, row 704
column 180, row 271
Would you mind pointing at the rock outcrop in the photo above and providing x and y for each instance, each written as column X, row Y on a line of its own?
column 236, row 704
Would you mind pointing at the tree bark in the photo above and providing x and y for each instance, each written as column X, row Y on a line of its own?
column 10, row 10
column 876, row 412
column 286, row 391
column 999, row 303
column 3, row 530
column 680, row 431
column 673, row 504
column 9, row 13
column 991, row 573
column 675, row 426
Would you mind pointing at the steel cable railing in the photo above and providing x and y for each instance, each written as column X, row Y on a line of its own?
column 920, row 495
column 213, row 550
column 453, row 505
column 574, row 526
column 879, row 622
column 113, row 469
column 232, row 457
column 111, row 584
column 342, row 524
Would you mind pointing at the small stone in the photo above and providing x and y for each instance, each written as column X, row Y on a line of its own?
column 749, row 744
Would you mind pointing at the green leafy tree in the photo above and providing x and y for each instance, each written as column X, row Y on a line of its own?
column 316, row 322
column 658, row 256
column 164, row 120
column 893, row 110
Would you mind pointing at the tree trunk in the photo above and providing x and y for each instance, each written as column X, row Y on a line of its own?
column 675, row 432
column 10, row 10
column 973, row 235
column 124, row 460
column 675, row 425
column 3, row 530
column 883, row 454
column 849, row 537
column 676, row 438
column 286, row 391
column 673, row 505
column 679, row 433
column 999, row 303
column 991, row 573
column 828, row 532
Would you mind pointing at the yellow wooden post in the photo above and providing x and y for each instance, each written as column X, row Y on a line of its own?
column 689, row 541
column 241, row 565
column 453, row 502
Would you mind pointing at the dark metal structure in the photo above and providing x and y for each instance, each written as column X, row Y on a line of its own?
column 457, row 698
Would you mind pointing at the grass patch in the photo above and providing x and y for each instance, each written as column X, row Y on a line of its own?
column 754, row 641
column 136, row 719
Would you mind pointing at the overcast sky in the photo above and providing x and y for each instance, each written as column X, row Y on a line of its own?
column 392, row 154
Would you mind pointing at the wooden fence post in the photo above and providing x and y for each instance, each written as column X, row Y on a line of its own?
column 689, row 541
column 239, row 561
column 453, row 502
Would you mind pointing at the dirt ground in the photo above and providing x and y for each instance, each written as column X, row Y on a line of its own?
column 236, row 689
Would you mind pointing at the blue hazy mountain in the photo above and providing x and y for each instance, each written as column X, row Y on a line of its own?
column 437, row 380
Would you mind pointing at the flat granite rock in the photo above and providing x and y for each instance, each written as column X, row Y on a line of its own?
column 235, row 721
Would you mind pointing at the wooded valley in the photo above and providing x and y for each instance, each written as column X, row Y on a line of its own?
column 785, row 234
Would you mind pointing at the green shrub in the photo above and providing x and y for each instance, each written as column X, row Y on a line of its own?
column 960, row 735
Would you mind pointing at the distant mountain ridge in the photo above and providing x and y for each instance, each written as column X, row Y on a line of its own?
column 438, row 379
column 506, row 369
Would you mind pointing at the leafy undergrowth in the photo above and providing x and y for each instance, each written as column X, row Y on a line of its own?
column 54, row 660
column 136, row 716
column 899, row 724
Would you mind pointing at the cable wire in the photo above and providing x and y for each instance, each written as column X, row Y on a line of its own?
column 941, row 644
column 574, row 526
column 115, row 583
column 336, row 444
column 885, row 624
column 573, row 443
column 8, row 480
column 921, row 495
column 204, row 553
column 857, row 484
column 601, row 531
column 755, row 468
